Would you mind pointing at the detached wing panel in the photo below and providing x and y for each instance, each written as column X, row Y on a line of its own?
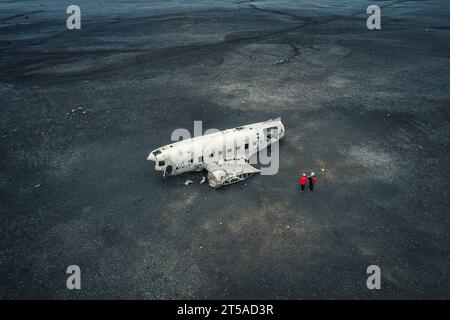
column 227, row 173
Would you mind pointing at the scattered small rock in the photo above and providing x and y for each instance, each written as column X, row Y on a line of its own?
column 188, row 182
column 74, row 111
column 281, row 61
column 38, row 185
column 203, row 180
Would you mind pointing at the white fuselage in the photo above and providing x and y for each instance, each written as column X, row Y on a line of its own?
column 236, row 144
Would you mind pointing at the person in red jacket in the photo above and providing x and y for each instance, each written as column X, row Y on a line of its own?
column 303, row 181
column 312, row 180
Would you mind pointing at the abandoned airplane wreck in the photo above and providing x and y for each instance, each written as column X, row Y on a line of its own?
column 227, row 155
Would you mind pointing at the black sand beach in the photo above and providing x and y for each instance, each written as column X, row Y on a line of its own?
column 370, row 108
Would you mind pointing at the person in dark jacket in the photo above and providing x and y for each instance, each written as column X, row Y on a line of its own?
column 303, row 181
column 312, row 180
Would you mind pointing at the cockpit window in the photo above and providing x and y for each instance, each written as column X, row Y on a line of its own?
column 161, row 163
column 155, row 153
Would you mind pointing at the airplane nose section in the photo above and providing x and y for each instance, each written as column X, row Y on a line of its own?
column 152, row 156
